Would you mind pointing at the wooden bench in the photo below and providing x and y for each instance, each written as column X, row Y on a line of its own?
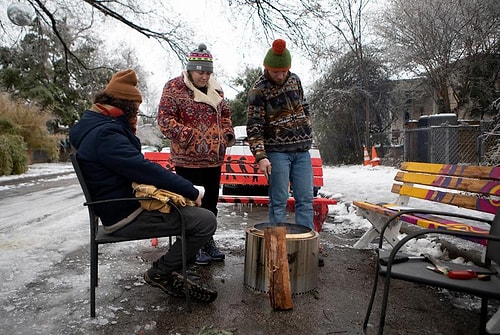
column 242, row 183
column 240, row 170
column 465, row 186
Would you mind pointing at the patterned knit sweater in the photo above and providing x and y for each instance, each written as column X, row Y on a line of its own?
column 197, row 124
column 278, row 117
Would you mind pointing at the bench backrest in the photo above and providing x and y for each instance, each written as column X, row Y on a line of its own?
column 242, row 170
column 239, row 169
column 162, row 158
column 467, row 186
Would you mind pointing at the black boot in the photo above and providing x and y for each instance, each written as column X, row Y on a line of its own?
column 211, row 249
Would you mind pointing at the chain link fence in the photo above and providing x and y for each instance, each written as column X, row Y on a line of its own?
column 450, row 144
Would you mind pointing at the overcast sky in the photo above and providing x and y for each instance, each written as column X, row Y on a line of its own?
column 232, row 44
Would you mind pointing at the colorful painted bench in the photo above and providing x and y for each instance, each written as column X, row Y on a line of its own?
column 242, row 183
column 240, row 174
column 465, row 186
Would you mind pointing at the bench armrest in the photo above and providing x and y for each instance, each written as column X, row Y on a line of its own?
column 90, row 203
column 425, row 211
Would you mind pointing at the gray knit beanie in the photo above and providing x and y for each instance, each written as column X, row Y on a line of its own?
column 200, row 60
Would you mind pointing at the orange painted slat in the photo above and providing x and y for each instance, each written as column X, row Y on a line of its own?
column 157, row 156
column 316, row 161
column 241, row 179
column 317, row 171
column 318, row 181
column 240, row 168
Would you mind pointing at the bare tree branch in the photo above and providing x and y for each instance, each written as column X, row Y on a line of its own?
column 53, row 24
column 294, row 20
column 163, row 37
column 433, row 38
column 175, row 39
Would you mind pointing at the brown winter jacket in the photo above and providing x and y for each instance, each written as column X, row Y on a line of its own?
column 197, row 124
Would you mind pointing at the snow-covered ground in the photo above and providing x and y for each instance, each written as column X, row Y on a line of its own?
column 39, row 229
column 344, row 183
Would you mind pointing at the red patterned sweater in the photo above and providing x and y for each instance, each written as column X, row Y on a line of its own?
column 198, row 125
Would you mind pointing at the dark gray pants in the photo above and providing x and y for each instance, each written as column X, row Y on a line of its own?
column 200, row 226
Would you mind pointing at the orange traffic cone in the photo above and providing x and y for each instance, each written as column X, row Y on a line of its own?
column 375, row 159
column 366, row 160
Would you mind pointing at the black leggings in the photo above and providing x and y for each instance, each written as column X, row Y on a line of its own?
column 209, row 178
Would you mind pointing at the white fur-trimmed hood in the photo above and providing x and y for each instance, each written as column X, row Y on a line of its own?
column 212, row 97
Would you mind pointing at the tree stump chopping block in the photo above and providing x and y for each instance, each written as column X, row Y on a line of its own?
column 280, row 292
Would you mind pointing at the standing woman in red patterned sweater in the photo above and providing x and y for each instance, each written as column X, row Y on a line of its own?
column 196, row 119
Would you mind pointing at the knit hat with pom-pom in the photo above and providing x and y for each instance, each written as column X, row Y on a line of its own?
column 278, row 58
column 200, row 60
